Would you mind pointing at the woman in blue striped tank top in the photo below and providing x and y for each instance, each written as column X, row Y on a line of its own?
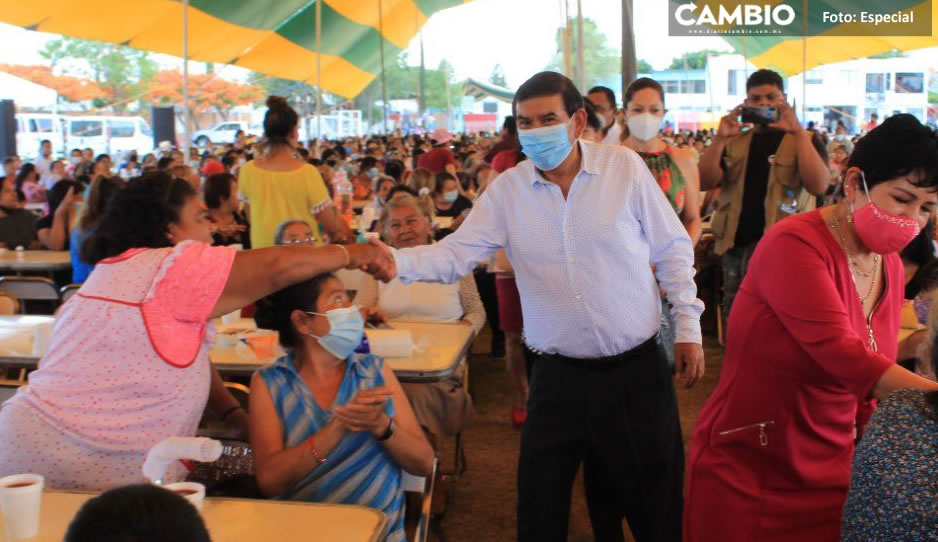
column 328, row 424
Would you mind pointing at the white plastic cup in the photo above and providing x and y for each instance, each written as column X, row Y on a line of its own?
column 20, row 500
column 191, row 491
column 42, row 336
column 20, row 254
column 231, row 317
column 369, row 235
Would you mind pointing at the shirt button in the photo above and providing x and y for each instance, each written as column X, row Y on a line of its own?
column 586, row 329
column 572, row 260
column 578, row 296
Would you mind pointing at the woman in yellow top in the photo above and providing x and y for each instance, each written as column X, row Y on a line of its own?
column 278, row 185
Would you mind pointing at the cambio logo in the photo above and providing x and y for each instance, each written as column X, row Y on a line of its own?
column 742, row 15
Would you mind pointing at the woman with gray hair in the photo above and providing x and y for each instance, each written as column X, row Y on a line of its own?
column 442, row 408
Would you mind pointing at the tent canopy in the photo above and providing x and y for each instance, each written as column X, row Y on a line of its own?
column 479, row 90
column 791, row 55
column 276, row 38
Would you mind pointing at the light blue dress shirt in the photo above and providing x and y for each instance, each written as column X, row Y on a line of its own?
column 583, row 264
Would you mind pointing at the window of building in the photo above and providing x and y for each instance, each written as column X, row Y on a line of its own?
column 910, row 82
column 875, row 82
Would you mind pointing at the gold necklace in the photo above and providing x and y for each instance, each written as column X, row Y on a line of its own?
column 835, row 225
column 869, row 319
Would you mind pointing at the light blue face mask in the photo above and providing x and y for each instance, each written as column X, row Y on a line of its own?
column 547, row 146
column 346, row 329
column 451, row 197
column 373, row 173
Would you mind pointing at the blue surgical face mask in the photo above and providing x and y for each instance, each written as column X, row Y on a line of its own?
column 346, row 329
column 547, row 146
column 373, row 173
column 450, row 197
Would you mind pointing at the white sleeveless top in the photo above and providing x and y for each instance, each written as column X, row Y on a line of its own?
column 420, row 301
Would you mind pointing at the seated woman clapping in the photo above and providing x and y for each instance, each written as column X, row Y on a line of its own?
column 442, row 408
column 329, row 424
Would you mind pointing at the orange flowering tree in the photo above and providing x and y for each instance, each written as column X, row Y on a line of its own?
column 73, row 89
column 206, row 92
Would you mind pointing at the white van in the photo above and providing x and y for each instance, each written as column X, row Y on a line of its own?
column 109, row 135
column 32, row 128
column 129, row 134
column 86, row 132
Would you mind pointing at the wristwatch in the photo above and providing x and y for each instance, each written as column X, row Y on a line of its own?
column 390, row 431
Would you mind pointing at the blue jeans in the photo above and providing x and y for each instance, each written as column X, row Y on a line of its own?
column 735, row 263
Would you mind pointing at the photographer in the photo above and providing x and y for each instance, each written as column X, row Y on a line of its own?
column 767, row 173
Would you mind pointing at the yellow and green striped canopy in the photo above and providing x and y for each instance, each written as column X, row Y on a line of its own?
column 273, row 37
column 791, row 55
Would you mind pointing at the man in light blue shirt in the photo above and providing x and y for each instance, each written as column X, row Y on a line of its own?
column 583, row 226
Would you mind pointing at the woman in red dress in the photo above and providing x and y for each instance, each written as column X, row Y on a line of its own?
column 811, row 340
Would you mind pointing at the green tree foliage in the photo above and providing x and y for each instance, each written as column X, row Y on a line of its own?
column 695, row 60
column 402, row 84
column 124, row 72
column 602, row 61
column 644, row 66
column 498, row 76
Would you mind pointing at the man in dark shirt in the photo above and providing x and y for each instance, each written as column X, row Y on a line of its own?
column 17, row 226
column 743, row 225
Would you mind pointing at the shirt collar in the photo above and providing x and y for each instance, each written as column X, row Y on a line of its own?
column 588, row 163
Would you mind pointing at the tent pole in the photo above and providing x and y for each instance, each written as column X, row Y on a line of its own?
column 804, row 63
column 580, row 68
column 384, row 86
column 186, row 142
column 318, row 74
column 567, row 64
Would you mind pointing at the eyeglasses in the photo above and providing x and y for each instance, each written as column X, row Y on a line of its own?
column 299, row 241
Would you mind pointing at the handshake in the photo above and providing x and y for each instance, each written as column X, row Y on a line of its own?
column 374, row 258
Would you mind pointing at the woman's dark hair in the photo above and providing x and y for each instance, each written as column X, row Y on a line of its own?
column 549, row 84
column 25, row 171
column 217, row 189
column 100, row 157
column 440, row 181
column 138, row 216
column 58, row 193
column 139, row 512
column 395, row 169
column 368, row 162
column 765, row 77
column 274, row 311
column 101, row 192
column 510, row 125
column 641, row 84
column 401, row 188
column 279, row 120
column 899, row 146
column 163, row 163
column 591, row 119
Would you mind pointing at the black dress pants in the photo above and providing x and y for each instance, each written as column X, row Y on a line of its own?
column 618, row 417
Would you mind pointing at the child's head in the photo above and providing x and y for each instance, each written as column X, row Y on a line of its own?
column 142, row 513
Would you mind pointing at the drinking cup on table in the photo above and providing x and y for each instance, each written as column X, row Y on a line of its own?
column 20, row 499
column 20, row 253
column 191, row 491
column 42, row 336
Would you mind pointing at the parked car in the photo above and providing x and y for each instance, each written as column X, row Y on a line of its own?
column 221, row 133
column 32, row 128
column 109, row 135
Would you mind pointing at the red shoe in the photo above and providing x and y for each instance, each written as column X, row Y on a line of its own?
column 518, row 415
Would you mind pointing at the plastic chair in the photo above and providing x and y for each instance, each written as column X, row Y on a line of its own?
column 30, row 289
column 66, row 292
column 420, row 484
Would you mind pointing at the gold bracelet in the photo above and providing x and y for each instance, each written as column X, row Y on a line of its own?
column 348, row 257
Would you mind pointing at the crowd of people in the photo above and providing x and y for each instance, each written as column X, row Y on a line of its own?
column 537, row 231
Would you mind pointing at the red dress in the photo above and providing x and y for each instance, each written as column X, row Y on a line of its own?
column 771, row 452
